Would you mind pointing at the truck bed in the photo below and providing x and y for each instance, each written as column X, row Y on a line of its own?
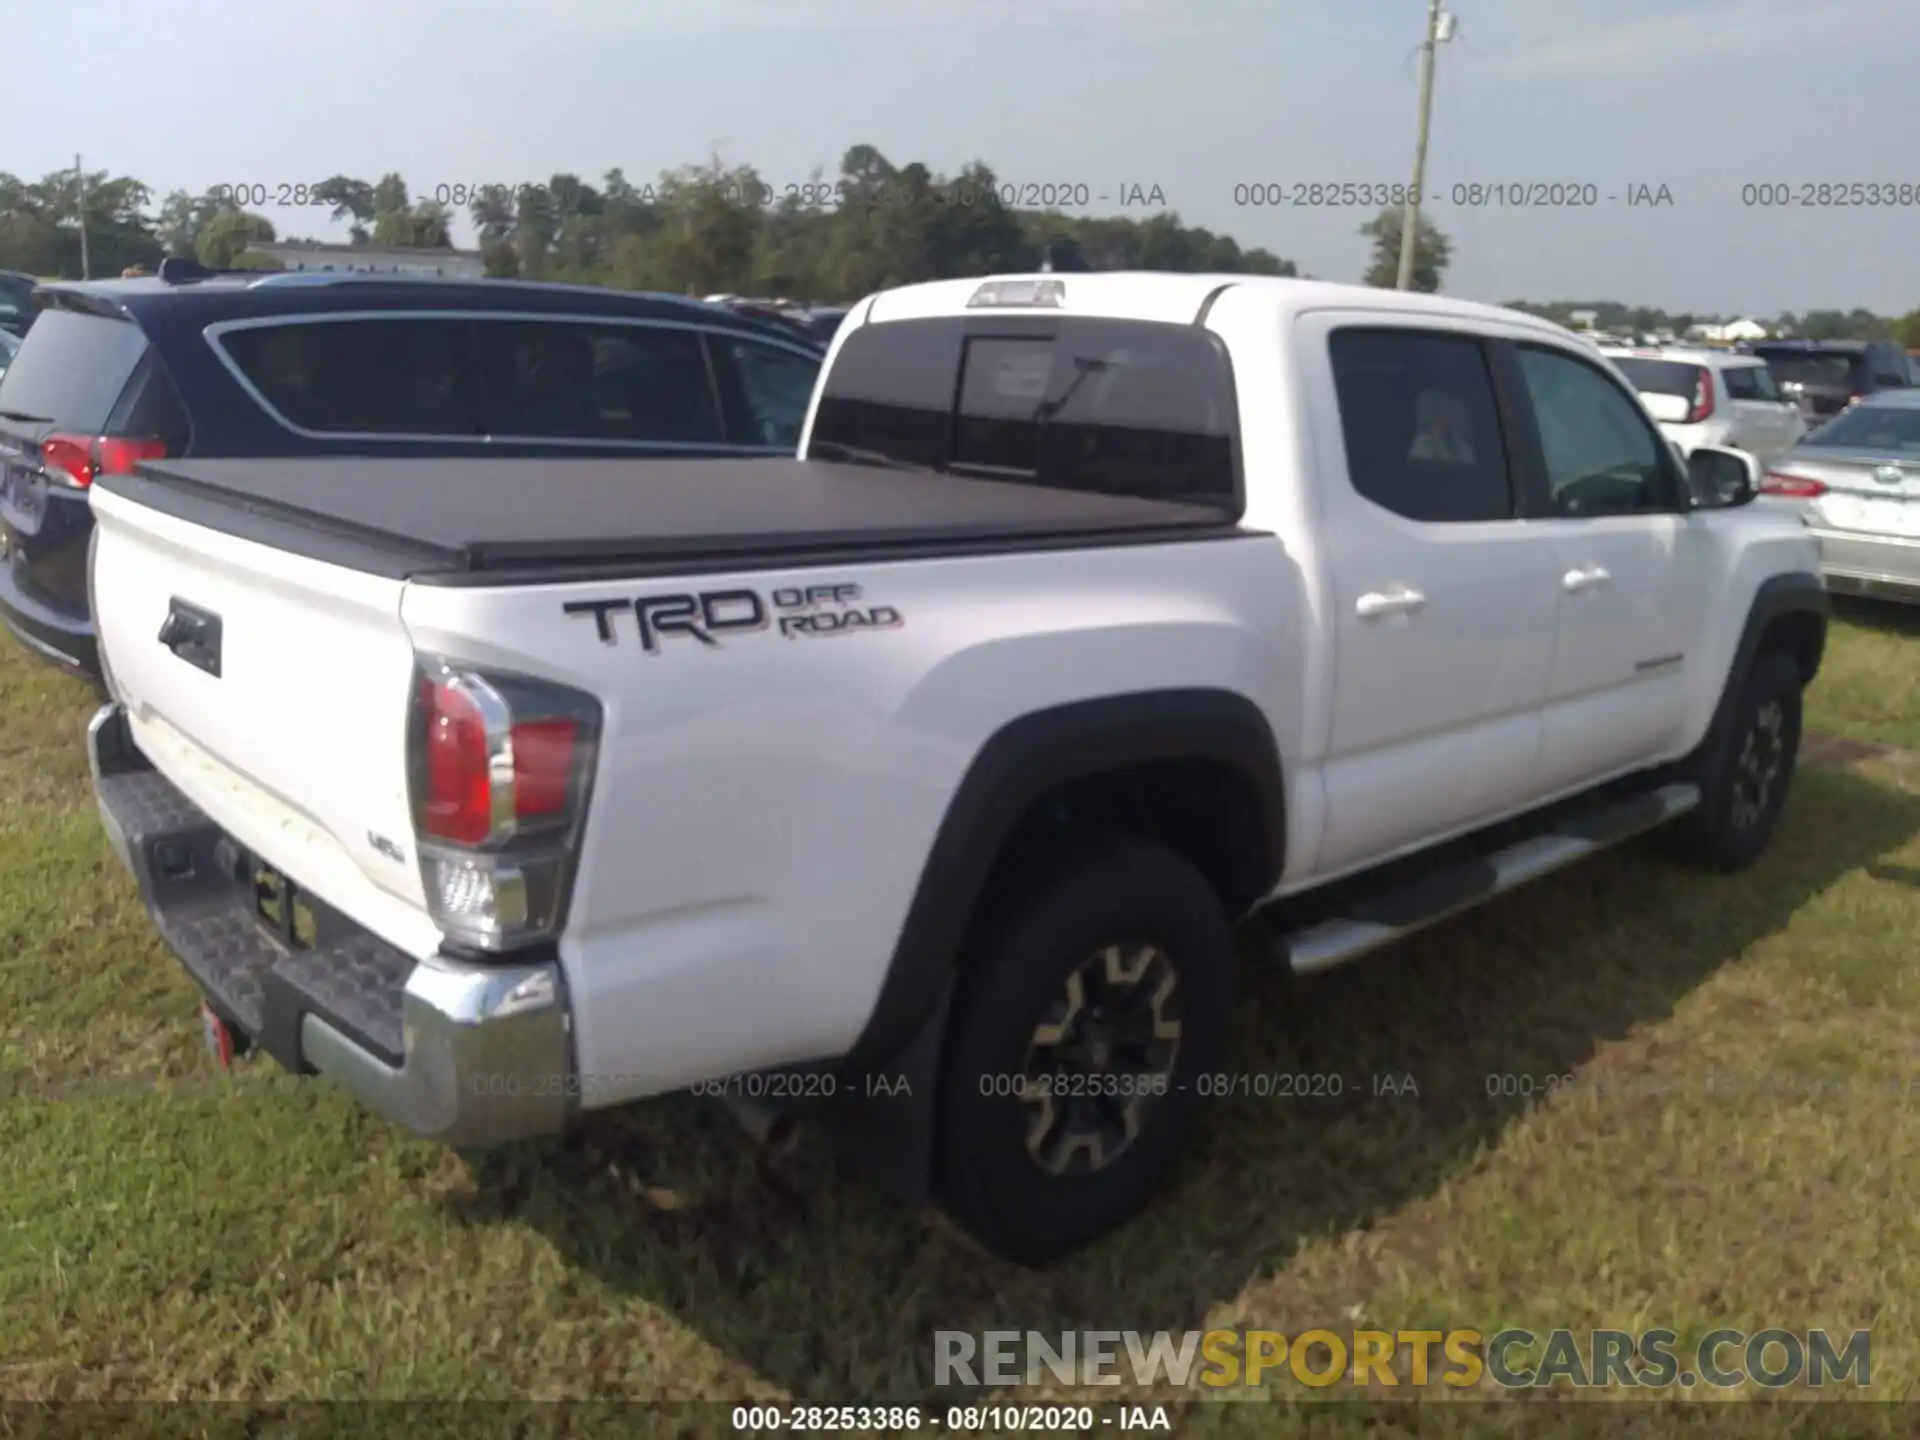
column 491, row 520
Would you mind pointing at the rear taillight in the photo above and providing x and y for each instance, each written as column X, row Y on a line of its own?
column 79, row 460
column 500, row 768
column 1799, row 487
column 1703, row 398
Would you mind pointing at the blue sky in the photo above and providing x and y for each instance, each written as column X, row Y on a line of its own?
column 1195, row 96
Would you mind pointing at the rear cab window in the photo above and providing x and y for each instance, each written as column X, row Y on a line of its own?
column 1120, row 407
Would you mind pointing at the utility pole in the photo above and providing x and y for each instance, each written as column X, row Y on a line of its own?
column 80, row 183
column 1439, row 28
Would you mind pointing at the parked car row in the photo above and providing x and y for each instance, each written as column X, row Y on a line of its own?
column 1836, row 425
column 1713, row 397
column 194, row 364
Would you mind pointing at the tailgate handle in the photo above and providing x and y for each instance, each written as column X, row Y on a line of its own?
column 193, row 634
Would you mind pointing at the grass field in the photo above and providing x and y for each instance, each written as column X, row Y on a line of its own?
column 164, row 1234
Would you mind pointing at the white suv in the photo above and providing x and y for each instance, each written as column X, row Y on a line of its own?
column 1713, row 397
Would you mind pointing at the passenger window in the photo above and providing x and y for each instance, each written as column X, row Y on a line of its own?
column 367, row 377
column 1421, row 425
column 550, row 379
column 1602, row 454
column 1740, row 382
column 778, row 385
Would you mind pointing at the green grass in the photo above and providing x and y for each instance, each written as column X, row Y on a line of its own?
column 167, row 1233
column 1869, row 687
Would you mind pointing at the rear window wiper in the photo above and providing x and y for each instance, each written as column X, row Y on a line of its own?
column 25, row 418
column 834, row 450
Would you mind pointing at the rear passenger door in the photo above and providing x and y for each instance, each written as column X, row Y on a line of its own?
column 1442, row 600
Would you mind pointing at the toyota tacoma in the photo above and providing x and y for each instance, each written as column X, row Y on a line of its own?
column 1105, row 634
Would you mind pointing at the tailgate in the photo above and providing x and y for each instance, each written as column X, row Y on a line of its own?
column 297, row 746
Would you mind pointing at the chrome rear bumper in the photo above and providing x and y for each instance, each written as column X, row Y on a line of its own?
column 459, row 1052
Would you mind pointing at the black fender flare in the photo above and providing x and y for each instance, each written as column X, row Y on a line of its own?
column 1794, row 592
column 1021, row 762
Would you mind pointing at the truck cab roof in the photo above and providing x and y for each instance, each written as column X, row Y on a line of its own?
column 1167, row 297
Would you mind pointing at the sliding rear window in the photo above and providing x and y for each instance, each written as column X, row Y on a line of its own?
column 1116, row 406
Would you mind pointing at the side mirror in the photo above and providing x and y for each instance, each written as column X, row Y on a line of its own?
column 1722, row 479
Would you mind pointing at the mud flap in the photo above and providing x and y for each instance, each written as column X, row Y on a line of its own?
column 891, row 1123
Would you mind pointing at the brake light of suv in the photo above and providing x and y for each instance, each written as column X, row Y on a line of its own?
column 500, row 769
column 1703, row 398
column 78, row 460
column 1798, row 487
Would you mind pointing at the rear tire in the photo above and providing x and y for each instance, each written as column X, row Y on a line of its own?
column 1745, row 771
column 1089, row 1010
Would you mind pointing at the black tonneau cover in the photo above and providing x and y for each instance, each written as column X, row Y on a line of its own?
column 415, row 518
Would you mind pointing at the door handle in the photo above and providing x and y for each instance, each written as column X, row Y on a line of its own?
column 1585, row 578
column 1397, row 601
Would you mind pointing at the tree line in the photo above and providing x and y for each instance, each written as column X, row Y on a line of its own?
column 700, row 229
column 715, row 227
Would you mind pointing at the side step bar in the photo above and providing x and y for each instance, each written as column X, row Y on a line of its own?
column 1379, row 920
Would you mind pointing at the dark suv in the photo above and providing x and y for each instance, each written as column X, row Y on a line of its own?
column 114, row 372
column 1823, row 377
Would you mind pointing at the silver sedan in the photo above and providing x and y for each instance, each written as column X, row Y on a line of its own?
column 1856, row 482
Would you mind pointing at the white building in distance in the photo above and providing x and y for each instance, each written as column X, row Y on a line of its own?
column 1743, row 329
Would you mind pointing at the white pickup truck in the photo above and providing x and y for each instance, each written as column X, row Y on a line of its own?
column 1107, row 632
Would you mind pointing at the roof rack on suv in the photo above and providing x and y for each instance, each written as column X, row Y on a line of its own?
column 292, row 279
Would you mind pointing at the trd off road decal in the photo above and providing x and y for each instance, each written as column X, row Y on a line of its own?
column 797, row 613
